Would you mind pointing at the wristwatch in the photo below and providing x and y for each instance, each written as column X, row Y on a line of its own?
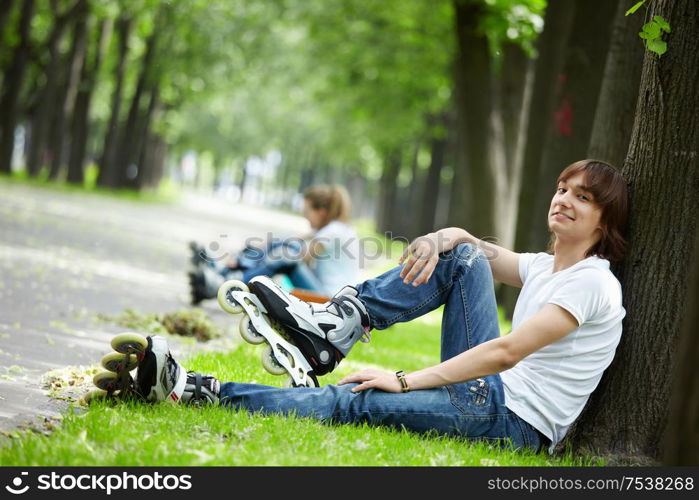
column 403, row 383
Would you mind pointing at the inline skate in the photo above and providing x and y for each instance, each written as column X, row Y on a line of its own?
column 303, row 340
column 159, row 377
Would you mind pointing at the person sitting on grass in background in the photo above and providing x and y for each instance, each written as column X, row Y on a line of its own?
column 526, row 387
column 322, row 262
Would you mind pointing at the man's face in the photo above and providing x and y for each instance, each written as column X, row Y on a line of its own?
column 574, row 214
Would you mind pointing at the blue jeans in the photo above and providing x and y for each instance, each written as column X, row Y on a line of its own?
column 277, row 258
column 462, row 281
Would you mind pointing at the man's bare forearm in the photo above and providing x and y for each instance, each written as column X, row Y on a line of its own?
column 485, row 359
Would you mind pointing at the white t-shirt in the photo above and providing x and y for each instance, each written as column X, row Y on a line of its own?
column 550, row 387
column 339, row 264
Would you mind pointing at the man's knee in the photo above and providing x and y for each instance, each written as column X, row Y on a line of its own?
column 466, row 253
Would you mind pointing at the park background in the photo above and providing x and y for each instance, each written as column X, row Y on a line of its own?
column 432, row 114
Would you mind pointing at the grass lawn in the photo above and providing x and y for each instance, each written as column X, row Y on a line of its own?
column 140, row 434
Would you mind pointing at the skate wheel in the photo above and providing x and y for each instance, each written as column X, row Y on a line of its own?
column 107, row 381
column 93, row 395
column 270, row 363
column 226, row 300
column 116, row 362
column 129, row 343
column 311, row 381
column 249, row 333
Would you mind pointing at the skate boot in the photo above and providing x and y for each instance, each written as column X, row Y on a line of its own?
column 204, row 283
column 199, row 256
column 304, row 340
column 158, row 377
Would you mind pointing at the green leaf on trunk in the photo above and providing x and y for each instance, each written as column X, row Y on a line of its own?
column 657, row 46
column 635, row 7
column 664, row 25
column 652, row 29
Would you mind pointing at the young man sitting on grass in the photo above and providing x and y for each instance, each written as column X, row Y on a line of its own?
column 526, row 387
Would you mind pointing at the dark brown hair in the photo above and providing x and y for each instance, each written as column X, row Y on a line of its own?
column 610, row 193
column 334, row 199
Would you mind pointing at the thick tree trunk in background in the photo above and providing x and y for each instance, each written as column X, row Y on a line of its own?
column 12, row 84
column 388, row 191
column 628, row 412
column 108, row 175
column 475, row 188
column 65, row 103
column 576, row 101
column 81, row 114
column 547, row 66
column 682, row 433
column 616, row 106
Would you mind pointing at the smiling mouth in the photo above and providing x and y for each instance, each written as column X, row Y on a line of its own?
column 563, row 215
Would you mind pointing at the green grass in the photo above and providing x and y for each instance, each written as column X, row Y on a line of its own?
column 140, row 434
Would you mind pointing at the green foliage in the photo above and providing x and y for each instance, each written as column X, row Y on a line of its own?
column 652, row 32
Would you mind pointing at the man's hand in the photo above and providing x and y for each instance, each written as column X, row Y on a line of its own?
column 372, row 378
column 420, row 259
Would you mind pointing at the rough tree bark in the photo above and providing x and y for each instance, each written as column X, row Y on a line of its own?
column 628, row 412
column 12, row 84
column 616, row 106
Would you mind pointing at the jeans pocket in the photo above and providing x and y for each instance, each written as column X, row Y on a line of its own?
column 468, row 396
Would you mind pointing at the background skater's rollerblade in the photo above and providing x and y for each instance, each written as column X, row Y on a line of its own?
column 304, row 340
column 158, row 378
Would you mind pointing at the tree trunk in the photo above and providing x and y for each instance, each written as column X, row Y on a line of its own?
column 627, row 414
column 579, row 87
column 146, row 177
column 388, row 191
column 511, row 98
column 682, row 434
column 547, row 66
column 5, row 9
column 108, row 174
column 132, row 137
column 65, row 102
column 616, row 106
column 430, row 192
column 12, row 84
column 405, row 213
column 81, row 113
column 474, row 177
